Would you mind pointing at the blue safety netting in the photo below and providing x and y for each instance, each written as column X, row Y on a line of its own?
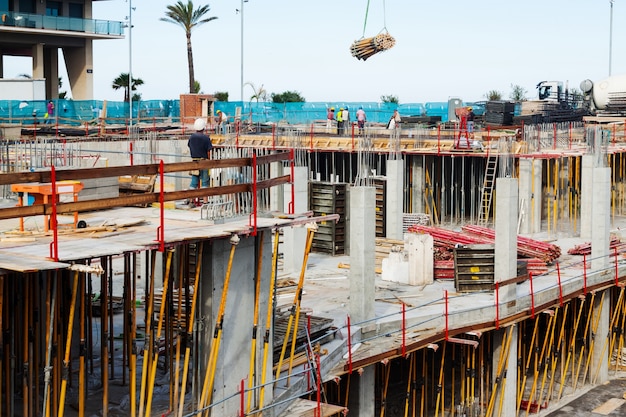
column 79, row 112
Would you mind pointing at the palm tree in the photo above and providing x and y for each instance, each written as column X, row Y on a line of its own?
column 259, row 94
column 122, row 82
column 185, row 16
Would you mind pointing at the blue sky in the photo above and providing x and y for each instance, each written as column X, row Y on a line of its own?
column 444, row 48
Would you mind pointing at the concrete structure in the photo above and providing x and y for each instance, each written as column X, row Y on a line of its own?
column 406, row 345
column 40, row 29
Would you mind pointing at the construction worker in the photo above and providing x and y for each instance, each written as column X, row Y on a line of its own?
column 199, row 148
column 222, row 122
column 361, row 118
column 330, row 116
column 340, row 122
column 345, row 115
column 470, row 121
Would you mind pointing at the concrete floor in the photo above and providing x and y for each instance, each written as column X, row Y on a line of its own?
column 610, row 396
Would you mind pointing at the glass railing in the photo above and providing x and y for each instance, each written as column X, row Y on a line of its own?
column 73, row 24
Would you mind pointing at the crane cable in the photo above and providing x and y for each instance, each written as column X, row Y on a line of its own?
column 367, row 8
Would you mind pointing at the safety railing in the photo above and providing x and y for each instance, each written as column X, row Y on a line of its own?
column 72, row 24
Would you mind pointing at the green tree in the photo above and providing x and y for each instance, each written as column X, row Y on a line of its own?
column 288, row 97
column 185, row 16
column 259, row 93
column 493, row 95
column 389, row 99
column 518, row 93
column 221, row 95
column 196, row 87
column 121, row 81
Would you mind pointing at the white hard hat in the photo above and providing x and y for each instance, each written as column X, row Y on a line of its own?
column 199, row 124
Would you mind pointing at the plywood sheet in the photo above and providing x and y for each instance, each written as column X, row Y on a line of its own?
column 306, row 408
column 609, row 406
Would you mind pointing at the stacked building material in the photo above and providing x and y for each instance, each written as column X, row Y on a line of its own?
column 444, row 269
column 585, row 248
column 526, row 247
column 366, row 47
column 498, row 112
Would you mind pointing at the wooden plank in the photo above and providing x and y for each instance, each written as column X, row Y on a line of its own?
column 306, row 408
column 609, row 406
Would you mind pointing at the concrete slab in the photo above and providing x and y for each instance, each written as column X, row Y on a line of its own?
column 599, row 401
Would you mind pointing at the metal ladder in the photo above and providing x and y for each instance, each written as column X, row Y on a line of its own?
column 487, row 188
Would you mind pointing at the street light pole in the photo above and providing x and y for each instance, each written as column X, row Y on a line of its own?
column 130, row 67
column 611, row 38
column 241, row 91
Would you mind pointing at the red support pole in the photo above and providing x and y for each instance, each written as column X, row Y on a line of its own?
column 293, row 186
column 349, row 348
column 403, row 329
column 254, row 195
column 161, row 227
column 558, row 274
column 445, row 295
column 311, row 138
column 132, row 158
column 86, row 129
column 242, row 389
column 237, row 132
column 497, row 305
column 532, row 296
column 614, row 133
column 585, row 274
column 438, row 139
column 616, row 268
column 54, row 245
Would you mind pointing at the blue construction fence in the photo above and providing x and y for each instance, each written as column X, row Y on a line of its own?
column 79, row 112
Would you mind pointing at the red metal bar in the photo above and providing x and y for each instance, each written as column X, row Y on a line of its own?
column 532, row 296
column 616, row 268
column 614, row 133
column 352, row 125
column 130, row 148
column 585, row 274
column 54, row 245
column 445, row 295
column 255, row 202
column 488, row 134
column 554, row 135
column 403, row 329
column 86, row 129
column 497, row 305
column 438, row 139
column 56, row 126
column 311, row 138
column 238, row 131
column 242, row 389
column 161, row 227
column 349, row 348
column 292, row 203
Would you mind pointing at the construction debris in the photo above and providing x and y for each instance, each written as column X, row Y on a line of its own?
column 365, row 48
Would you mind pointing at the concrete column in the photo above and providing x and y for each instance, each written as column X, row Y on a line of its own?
column 51, row 72
column 586, row 197
column 417, row 180
column 394, row 208
column 362, row 283
column 506, row 237
column 295, row 238
column 421, row 262
column 536, row 196
column 362, row 248
column 234, row 351
column 600, row 218
column 79, row 64
column 600, row 357
column 525, row 194
column 507, row 380
column 38, row 61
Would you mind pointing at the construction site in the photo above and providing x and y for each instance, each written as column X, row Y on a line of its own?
column 391, row 273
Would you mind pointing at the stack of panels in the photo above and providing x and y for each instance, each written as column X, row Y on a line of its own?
column 329, row 198
column 498, row 112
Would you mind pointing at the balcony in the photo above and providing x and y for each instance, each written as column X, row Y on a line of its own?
column 72, row 24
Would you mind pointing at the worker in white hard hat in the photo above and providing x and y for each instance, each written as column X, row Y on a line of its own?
column 222, row 122
column 200, row 149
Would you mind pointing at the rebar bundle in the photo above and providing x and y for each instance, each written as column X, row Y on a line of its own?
column 366, row 47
